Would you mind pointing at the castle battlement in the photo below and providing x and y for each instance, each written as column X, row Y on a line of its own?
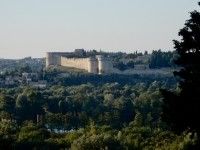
column 74, row 58
column 92, row 59
column 59, row 53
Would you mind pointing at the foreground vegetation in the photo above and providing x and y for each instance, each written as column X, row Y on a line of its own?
column 83, row 117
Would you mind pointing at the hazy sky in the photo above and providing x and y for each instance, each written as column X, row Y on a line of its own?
column 31, row 28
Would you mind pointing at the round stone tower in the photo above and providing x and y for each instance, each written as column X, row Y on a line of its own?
column 92, row 65
column 49, row 59
column 105, row 64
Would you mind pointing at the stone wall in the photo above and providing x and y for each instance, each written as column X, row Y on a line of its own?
column 81, row 63
column 93, row 65
column 153, row 72
column 54, row 58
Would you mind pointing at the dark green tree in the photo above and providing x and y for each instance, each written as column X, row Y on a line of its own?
column 8, row 136
column 121, row 66
column 7, row 104
column 22, row 108
column 35, row 101
column 25, row 68
column 181, row 109
column 130, row 64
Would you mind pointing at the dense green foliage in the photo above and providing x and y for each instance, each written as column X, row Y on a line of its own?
column 181, row 109
column 82, row 117
column 163, row 59
column 189, row 51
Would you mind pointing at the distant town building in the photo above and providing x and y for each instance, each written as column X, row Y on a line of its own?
column 40, row 83
column 143, row 58
column 9, row 80
column 25, row 79
column 28, row 77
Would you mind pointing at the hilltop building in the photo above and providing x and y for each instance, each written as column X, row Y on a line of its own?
column 143, row 58
column 98, row 64
column 40, row 83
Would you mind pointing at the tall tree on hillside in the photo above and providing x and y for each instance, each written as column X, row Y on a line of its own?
column 25, row 68
column 181, row 110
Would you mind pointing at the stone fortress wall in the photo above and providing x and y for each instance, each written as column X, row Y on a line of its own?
column 100, row 64
column 81, row 63
column 54, row 58
column 162, row 72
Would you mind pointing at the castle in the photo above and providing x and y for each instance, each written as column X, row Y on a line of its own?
column 98, row 64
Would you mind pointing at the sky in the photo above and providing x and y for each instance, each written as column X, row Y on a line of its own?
column 32, row 28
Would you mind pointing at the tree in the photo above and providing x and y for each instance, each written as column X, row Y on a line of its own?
column 102, row 141
column 25, row 68
column 7, row 104
column 181, row 110
column 30, row 137
column 22, row 108
column 8, row 136
column 137, row 120
column 121, row 66
column 108, row 99
column 130, row 64
column 35, row 101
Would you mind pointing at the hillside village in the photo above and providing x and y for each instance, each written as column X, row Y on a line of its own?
column 26, row 79
column 12, row 64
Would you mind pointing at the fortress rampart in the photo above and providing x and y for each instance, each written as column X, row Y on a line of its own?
column 100, row 64
column 155, row 72
column 81, row 63
column 60, row 59
column 54, row 58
